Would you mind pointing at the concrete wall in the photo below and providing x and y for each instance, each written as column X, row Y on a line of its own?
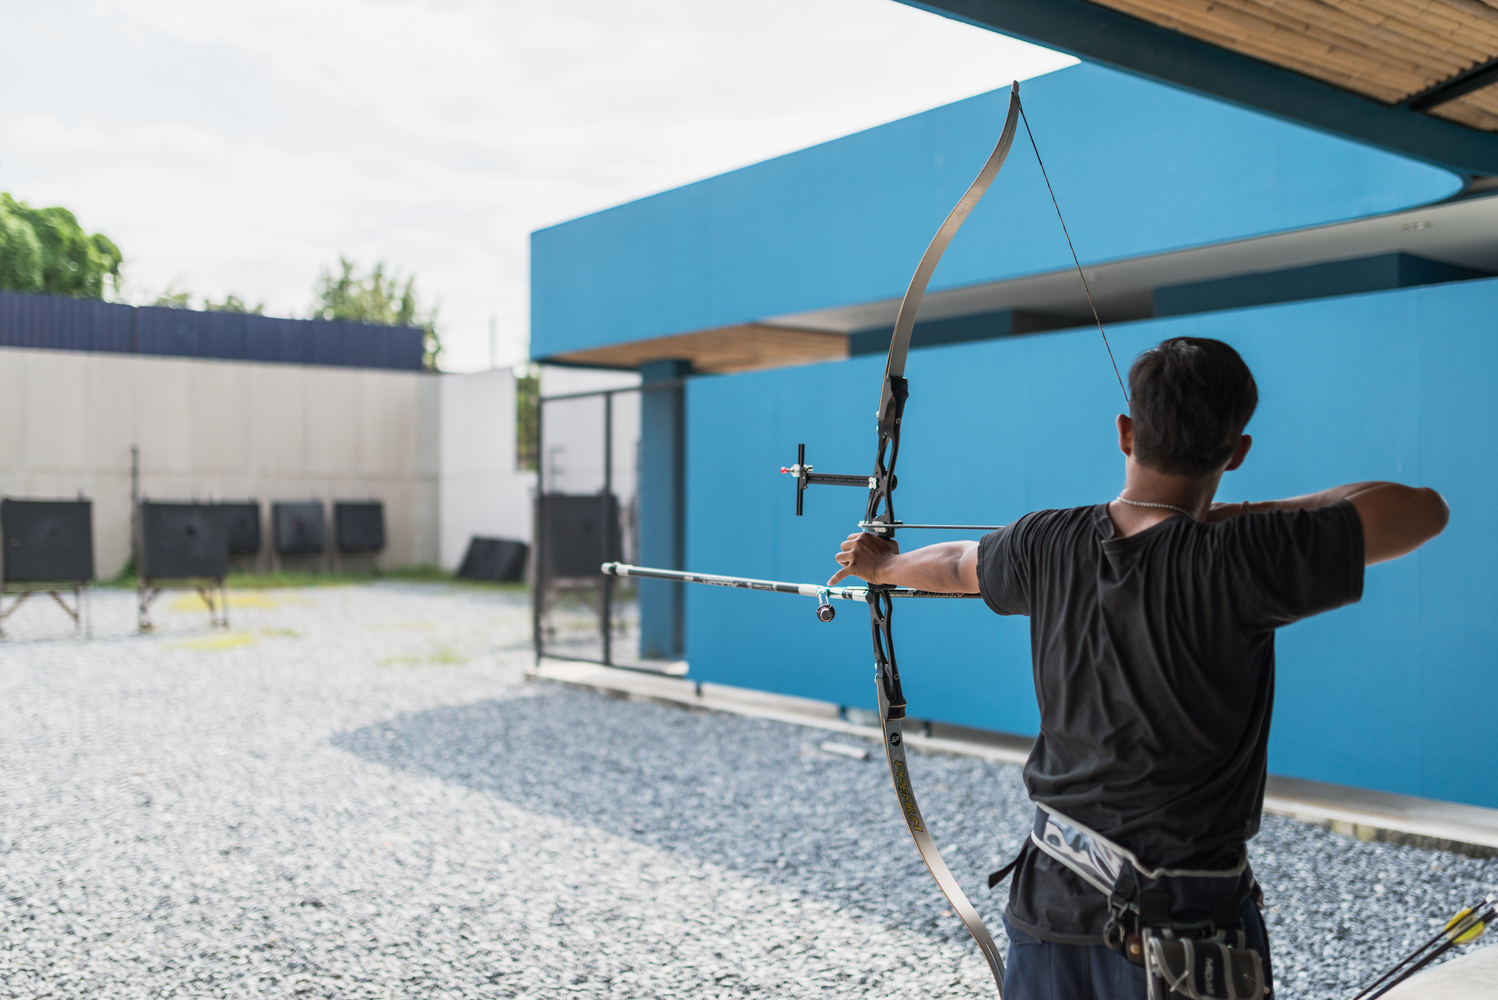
column 482, row 492
column 220, row 429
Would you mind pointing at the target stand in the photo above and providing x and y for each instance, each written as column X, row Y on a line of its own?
column 48, row 548
column 80, row 611
column 358, row 531
column 183, row 546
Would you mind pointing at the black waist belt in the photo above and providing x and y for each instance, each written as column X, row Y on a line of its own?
column 1183, row 925
column 1178, row 897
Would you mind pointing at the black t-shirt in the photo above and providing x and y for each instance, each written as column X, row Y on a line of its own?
column 1154, row 669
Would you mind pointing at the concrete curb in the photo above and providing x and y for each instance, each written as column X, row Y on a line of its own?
column 1466, row 977
column 1356, row 812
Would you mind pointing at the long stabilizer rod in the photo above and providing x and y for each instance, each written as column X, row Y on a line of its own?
column 775, row 586
column 866, row 525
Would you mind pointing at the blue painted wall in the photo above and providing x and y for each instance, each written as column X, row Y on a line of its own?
column 1391, row 385
column 1139, row 168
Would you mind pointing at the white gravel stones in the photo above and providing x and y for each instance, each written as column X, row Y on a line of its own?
column 354, row 794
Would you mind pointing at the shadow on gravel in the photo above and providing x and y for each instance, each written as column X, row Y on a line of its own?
column 753, row 796
column 760, row 798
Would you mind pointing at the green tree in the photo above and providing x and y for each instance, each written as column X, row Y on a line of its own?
column 376, row 298
column 233, row 304
column 173, row 297
column 527, row 413
column 45, row 250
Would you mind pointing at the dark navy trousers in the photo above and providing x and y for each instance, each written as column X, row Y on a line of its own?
column 1042, row 970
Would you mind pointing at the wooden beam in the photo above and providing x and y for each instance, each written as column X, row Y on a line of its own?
column 1475, row 79
column 1329, row 43
column 746, row 347
column 1478, row 109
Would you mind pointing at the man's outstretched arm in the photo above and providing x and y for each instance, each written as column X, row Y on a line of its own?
column 1397, row 519
column 945, row 568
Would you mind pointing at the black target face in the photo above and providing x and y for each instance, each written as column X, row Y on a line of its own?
column 183, row 541
column 360, row 527
column 47, row 540
column 299, row 528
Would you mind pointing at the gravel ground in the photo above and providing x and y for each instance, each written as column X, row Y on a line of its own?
column 355, row 794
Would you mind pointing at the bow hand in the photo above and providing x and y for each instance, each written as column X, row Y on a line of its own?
column 865, row 556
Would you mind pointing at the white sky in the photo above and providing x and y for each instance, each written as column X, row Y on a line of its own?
column 241, row 147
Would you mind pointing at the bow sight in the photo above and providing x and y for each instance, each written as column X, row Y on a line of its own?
column 805, row 477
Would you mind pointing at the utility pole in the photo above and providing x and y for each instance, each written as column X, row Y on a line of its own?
column 135, row 506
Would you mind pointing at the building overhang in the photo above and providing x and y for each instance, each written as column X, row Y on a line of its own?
column 1416, row 79
column 740, row 348
column 1458, row 232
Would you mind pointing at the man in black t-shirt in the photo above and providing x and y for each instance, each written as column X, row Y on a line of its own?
column 1152, row 625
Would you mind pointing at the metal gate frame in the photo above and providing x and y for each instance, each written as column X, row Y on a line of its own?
column 539, row 555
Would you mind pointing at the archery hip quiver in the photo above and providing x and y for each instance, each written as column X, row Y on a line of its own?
column 1184, row 927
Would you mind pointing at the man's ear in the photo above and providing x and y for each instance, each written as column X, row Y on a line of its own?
column 1240, row 453
column 1126, row 434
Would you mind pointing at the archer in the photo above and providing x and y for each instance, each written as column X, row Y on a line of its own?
column 1152, row 624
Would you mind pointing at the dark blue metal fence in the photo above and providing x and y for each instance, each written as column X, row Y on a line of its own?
column 44, row 321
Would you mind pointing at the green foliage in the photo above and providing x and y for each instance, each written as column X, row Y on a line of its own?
column 173, row 297
column 233, row 304
column 527, row 412
column 237, row 580
column 125, row 577
column 375, row 298
column 404, row 574
column 45, row 250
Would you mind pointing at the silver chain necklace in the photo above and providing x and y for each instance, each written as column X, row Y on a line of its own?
column 1167, row 506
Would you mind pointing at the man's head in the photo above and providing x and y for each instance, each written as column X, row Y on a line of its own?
column 1189, row 400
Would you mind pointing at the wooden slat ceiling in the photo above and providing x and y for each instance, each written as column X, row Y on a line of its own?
column 727, row 349
column 1414, row 52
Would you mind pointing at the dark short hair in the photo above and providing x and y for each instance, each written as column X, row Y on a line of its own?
column 1190, row 399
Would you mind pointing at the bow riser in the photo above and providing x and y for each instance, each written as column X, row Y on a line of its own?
column 881, row 508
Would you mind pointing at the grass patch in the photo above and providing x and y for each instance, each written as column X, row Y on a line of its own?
column 213, row 643
column 124, row 579
column 419, row 574
column 238, row 599
column 444, row 656
column 292, row 578
column 287, row 579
